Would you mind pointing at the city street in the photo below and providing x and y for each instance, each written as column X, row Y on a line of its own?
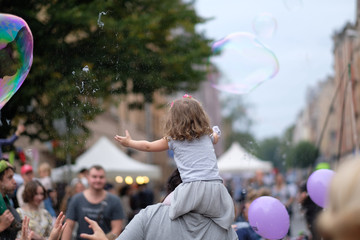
column 297, row 222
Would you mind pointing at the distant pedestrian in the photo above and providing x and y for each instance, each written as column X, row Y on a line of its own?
column 258, row 180
column 75, row 187
column 285, row 193
column 125, row 194
column 311, row 211
column 45, row 178
column 142, row 198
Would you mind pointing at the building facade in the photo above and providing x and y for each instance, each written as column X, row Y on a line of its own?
column 332, row 113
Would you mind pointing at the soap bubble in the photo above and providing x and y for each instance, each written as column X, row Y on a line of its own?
column 245, row 60
column 86, row 68
column 99, row 22
column 293, row 5
column 264, row 25
column 16, row 55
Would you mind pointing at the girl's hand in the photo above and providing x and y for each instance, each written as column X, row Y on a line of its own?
column 58, row 227
column 26, row 233
column 142, row 145
column 125, row 141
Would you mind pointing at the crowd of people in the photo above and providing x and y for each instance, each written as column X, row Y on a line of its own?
column 198, row 204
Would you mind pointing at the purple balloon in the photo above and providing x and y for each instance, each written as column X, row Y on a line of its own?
column 269, row 218
column 318, row 184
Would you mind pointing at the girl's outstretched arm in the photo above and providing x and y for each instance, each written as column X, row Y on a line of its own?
column 142, row 145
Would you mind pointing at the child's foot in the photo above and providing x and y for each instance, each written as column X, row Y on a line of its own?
column 167, row 200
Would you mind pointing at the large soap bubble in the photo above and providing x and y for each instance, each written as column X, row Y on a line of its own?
column 16, row 55
column 245, row 61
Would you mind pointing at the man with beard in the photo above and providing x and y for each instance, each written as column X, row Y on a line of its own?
column 97, row 204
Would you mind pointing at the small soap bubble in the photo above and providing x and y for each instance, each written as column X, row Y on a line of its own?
column 264, row 25
column 99, row 22
column 81, row 89
column 293, row 5
column 86, row 68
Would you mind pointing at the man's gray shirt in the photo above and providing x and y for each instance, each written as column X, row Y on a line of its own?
column 153, row 223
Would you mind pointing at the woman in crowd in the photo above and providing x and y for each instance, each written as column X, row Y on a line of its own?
column 50, row 202
column 40, row 220
column 75, row 187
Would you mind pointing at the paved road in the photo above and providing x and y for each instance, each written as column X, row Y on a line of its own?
column 297, row 222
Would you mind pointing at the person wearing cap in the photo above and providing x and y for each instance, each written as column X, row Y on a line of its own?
column 3, row 142
column 27, row 175
column 10, row 221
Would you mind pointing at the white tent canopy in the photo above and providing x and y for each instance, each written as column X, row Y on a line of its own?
column 237, row 160
column 114, row 161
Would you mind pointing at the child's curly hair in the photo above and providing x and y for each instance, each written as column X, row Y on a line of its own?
column 187, row 120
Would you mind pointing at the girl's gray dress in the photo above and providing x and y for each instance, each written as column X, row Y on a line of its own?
column 202, row 190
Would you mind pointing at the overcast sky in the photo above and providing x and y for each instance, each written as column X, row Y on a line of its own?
column 302, row 44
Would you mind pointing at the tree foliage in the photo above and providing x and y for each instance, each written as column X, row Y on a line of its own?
column 237, row 124
column 129, row 46
column 285, row 154
column 305, row 154
column 269, row 150
column 278, row 150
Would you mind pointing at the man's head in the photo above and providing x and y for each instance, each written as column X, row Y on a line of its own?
column 259, row 176
column 44, row 170
column 279, row 179
column 96, row 178
column 7, row 181
column 173, row 181
column 27, row 173
column 83, row 173
column 252, row 195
